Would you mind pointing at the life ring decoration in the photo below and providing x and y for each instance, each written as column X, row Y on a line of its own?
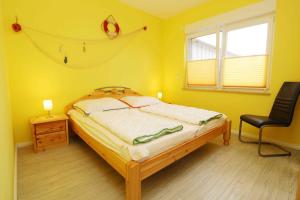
column 111, row 27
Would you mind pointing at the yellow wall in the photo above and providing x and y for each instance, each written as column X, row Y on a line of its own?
column 285, row 66
column 6, row 134
column 34, row 77
column 152, row 61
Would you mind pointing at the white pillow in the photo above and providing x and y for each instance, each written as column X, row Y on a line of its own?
column 103, row 104
column 140, row 101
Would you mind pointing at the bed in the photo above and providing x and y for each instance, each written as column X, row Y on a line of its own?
column 133, row 165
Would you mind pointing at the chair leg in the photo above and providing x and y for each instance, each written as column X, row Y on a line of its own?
column 240, row 136
column 260, row 142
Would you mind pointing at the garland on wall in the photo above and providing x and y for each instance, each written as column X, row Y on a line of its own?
column 80, row 53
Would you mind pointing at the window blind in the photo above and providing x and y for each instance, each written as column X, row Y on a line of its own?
column 202, row 72
column 249, row 71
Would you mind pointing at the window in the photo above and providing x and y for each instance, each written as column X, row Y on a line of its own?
column 231, row 57
column 203, row 61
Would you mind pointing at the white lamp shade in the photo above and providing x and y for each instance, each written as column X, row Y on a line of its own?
column 159, row 95
column 48, row 105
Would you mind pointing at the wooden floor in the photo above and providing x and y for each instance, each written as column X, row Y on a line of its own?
column 75, row 172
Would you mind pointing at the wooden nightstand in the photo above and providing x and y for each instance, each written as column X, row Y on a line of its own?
column 49, row 132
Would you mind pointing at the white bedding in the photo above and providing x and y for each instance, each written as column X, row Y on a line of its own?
column 186, row 114
column 142, row 151
column 134, row 126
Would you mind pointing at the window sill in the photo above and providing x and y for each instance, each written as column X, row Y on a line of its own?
column 231, row 90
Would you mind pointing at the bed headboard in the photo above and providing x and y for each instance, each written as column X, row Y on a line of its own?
column 110, row 91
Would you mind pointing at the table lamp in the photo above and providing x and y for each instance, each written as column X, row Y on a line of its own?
column 159, row 95
column 48, row 105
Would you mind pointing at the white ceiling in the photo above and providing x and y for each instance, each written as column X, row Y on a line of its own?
column 163, row 8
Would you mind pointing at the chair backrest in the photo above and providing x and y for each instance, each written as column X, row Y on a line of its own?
column 285, row 102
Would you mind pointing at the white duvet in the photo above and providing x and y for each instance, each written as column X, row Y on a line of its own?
column 137, row 152
column 130, row 124
column 183, row 113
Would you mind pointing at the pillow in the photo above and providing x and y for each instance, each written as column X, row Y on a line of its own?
column 103, row 104
column 140, row 101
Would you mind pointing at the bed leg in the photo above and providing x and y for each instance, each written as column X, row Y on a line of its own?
column 133, row 181
column 227, row 132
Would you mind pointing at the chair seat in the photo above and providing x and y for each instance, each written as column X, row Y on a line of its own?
column 259, row 121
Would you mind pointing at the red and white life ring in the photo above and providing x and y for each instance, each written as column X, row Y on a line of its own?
column 111, row 34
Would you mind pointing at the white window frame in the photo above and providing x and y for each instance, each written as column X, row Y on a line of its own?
column 269, row 18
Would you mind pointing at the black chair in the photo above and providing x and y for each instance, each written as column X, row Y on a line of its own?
column 281, row 115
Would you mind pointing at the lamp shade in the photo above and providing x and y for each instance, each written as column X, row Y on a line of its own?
column 48, row 105
column 159, row 95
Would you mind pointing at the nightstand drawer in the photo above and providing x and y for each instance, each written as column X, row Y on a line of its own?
column 51, row 139
column 49, row 132
column 50, row 127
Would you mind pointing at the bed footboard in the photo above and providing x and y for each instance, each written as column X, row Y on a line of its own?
column 138, row 171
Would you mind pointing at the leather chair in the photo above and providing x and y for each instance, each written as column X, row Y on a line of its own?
column 281, row 115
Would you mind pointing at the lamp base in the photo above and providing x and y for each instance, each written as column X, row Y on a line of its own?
column 49, row 115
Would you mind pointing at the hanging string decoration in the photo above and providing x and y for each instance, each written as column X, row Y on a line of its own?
column 79, row 53
column 111, row 22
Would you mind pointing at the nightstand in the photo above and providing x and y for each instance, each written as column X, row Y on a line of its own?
column 49, row 132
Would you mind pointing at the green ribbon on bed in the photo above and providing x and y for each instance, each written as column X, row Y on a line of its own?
column 210, row 119
column 149, row 138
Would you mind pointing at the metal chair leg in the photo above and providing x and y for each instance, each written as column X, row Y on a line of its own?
column 240, row 136
column 260, row 142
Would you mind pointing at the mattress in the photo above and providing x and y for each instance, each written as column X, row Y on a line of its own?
column 142, row 151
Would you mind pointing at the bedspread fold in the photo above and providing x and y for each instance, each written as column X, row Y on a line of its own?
column 187, row 114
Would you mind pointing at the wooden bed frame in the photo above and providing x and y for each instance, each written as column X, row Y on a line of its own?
column 134, row 172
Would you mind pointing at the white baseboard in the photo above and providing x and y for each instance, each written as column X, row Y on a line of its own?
column 23, row 144
column 255, row 136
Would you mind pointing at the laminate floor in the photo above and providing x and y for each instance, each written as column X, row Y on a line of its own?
column 76, row 172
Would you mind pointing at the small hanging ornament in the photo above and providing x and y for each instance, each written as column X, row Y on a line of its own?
column 83, row 47
column 111, row 34
column 16, row 26
column 66, row 59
